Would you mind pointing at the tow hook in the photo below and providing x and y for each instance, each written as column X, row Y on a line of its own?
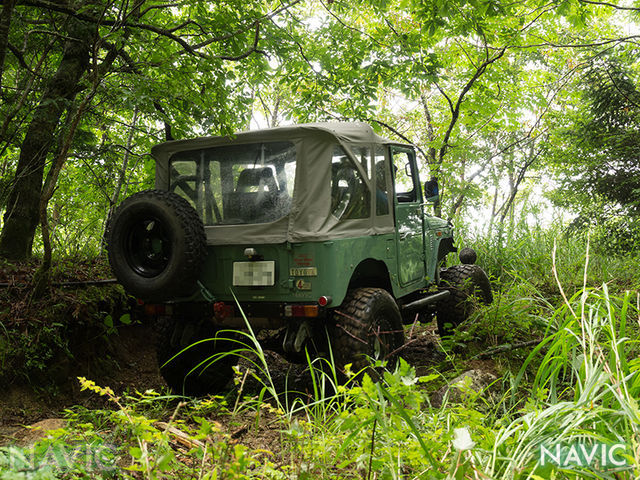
column 296, row 337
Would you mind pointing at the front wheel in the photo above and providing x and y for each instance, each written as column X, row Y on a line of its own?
column 466, row 284
column 366, row 326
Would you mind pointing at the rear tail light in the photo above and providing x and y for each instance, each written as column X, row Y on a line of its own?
column 310, row 310
column 223, row 310
column 300, row 310
column 323, row 301
column 157, row 309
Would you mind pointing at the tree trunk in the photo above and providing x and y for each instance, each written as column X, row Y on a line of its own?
column 168, row 135
column 41, row 278
column 21, row 217
column 5, row 22
column 5, row 139
column 430, row 133
column 514, row 183
column 274, row 113
column 125, row 160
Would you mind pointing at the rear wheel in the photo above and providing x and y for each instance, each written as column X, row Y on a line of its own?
column 467, row 285
column 366, row 326
column 190, row 369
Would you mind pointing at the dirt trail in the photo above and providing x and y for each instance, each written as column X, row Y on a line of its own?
column 125, row 361
column 134, row 367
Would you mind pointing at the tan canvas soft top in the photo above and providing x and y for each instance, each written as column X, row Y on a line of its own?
column 310, row 218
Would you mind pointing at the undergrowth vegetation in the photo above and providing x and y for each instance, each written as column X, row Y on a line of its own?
column 562, row 334
column 43, row 340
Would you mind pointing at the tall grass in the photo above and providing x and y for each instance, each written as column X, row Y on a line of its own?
column 584, row 382
column 580, row 384
column 323, row 402
column 585, row 388
column 523, row 253
column 584, row 391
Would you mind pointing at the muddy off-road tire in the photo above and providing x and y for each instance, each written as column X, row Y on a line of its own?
column 179, row 365
column 366, row 326
column 468, row 284
column 156, row 245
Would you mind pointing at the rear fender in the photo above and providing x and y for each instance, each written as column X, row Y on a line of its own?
column 371, row 273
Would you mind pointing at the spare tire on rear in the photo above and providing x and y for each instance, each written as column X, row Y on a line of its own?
column 156, row 245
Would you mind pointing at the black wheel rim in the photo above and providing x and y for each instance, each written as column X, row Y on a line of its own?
column 148, row 247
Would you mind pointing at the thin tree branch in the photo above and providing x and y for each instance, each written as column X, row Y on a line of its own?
column 624, row 94
column 239, row 31
column 466, row 54
column 549, row 43
column 506, row 348
column 186, row 46
column 253, row 48
column 20, row 57
column 532, row 22
column 390, row 128
column 353, row 29
column 611, row 5
column 444, row 94
column 456, row 110
column 164, row 5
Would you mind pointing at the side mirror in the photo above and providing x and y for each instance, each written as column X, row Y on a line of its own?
column 431, row 191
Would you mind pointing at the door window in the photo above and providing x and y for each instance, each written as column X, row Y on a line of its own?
column 404, row 176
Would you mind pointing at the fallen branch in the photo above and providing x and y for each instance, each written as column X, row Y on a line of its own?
column 87, row 283
column 506, row 348
column 179, row 436
column 400, row 348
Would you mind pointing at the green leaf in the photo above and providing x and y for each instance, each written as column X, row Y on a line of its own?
column 135, row 452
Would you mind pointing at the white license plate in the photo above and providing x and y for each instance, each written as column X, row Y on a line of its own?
column 254, row 274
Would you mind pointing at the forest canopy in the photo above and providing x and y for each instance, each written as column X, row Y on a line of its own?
column 498, row 97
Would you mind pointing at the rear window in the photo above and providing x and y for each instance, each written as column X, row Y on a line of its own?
column 236, row 184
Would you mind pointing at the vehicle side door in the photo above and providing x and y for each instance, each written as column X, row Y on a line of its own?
column 408, row 216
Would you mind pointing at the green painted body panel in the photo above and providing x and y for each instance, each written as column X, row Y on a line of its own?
column 410, row 243
column 334, row 260
column 435, row 231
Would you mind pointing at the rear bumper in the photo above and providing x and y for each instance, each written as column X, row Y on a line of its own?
column 260, row 315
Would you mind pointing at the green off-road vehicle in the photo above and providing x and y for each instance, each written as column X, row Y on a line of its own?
column 319, row 233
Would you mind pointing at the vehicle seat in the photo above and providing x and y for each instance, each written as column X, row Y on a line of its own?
column 255, row 194
column 257, row 180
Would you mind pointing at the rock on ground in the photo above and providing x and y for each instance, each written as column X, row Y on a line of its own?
column 466, row 384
